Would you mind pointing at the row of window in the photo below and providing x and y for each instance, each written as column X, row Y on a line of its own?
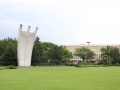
column 77, row 57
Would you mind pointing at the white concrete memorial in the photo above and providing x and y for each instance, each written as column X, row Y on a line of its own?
column 25, row 46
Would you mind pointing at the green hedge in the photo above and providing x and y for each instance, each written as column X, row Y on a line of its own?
column 11, row 67
column 88, row 65
column 1, row 68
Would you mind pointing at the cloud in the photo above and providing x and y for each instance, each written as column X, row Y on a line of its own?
column 0, row 14
column 64, row 21
column 9, row 28
column 9, row 22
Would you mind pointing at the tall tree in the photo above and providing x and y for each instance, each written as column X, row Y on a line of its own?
column 110, row 54
column 47, row 49
column 66, row 54
column 56, row 55
column 84, row 53
column 8, row 51
column 116, row 55
column 10, row 55
column 106, row 54
column 36, row 54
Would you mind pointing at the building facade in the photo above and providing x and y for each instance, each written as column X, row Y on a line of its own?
column 94, row 48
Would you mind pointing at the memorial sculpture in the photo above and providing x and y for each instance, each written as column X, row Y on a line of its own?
column 25, row 46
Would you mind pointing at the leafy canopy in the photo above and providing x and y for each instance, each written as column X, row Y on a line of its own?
column 84, row 53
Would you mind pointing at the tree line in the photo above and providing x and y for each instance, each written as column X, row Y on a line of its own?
column 43, row 53
column 109, row 55
column 47, row 53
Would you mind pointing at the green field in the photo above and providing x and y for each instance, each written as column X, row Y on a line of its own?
column 60, row 78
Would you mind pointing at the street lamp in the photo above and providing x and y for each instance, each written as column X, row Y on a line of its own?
column 88, row 43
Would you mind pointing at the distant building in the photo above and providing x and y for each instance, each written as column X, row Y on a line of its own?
column 94, row 48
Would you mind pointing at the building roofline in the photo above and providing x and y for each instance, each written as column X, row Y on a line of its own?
column 91, row 45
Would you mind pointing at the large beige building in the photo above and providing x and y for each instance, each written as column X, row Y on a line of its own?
column 94, row 48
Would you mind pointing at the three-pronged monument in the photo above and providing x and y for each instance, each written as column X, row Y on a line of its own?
column 25, row 46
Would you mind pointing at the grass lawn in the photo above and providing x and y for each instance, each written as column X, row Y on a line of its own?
column 60, row 78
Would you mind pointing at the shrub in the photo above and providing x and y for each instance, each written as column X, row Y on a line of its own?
column 87, row 64
column 44, row 64
column 105, row 65
column 117, row 64
column 69, row 64
column 1, row 68
column 77, row 66
column 11, row 67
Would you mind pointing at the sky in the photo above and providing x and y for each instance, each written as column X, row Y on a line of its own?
column 63, row 21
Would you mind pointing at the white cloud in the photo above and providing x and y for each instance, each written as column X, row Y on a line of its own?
column 65, row 21
column 0, row 14
column 9, row 22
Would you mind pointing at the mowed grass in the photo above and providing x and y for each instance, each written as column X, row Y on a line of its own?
column 60, row 78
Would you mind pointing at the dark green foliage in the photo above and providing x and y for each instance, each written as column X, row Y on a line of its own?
column 116, row 64
column 84, row 53
column 70, row 64
column 102, row 62
column 110, row 55
column 36, row 53
column 45, row 64
column 116, row 56
column 8, row 51
column 8, row 67
column 66, row 54
column 10, row 57
column 55, row 55
column 106, row 54
column 47, row 53
column 44, row 53
column 87, row 64
column 11, row 67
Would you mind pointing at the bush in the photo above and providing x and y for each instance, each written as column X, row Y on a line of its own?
column 101, row 62
column 117, row 64
column 82, row 63
column 77, row 65
column 1, row 68
column 69, row 64
column 87, row 64
column 11, row 67
column 43, row 64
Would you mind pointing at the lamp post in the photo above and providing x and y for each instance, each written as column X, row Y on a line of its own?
column 88, row 44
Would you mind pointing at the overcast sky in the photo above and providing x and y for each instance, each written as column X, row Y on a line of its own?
column 63, row 21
